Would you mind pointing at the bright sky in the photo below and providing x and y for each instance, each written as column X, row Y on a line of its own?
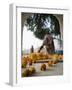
column 29, row 39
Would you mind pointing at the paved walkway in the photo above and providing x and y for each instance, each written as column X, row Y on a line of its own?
column 51, row 71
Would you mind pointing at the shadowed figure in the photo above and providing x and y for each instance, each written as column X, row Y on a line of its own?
column 32, row 49
column 48, row 43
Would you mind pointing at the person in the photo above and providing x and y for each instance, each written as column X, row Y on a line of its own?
column 32, row 49
column 48, row 43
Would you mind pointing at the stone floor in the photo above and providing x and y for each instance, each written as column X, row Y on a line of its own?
column 51, row 71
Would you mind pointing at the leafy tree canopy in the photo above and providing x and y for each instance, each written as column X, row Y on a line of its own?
column 40, row 24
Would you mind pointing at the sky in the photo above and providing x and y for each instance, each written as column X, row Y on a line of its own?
column 29, row 39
